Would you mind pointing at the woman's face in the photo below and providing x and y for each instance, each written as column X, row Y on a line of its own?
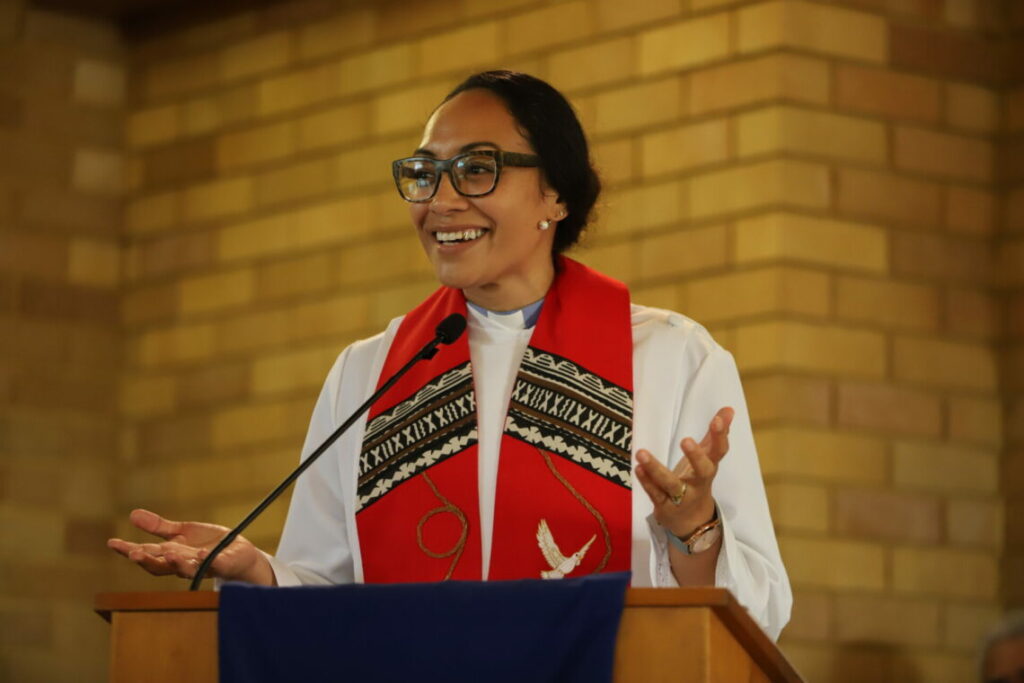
column 506, row 263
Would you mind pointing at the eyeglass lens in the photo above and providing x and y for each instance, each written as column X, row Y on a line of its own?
column 472, row 175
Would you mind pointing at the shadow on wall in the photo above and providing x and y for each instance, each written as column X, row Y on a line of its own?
column 877, row 662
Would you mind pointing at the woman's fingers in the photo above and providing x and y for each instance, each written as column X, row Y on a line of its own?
column 662, row 478
column 153, row 523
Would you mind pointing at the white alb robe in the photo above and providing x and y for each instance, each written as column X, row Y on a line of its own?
column 681, row 378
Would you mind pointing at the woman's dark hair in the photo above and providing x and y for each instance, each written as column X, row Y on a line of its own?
column 550, row 126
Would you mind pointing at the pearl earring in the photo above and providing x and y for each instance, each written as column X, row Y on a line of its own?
column 544, row 225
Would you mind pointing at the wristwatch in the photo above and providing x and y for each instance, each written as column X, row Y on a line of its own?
column 700, row 540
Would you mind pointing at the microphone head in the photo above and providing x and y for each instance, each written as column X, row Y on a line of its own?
column 451, row 328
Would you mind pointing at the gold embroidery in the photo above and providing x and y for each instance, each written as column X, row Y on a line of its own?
column 590, row 508
column 460, row 545
column 560, row 564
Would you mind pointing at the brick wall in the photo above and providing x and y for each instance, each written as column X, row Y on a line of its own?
column 61, row 92
column 1010, row 286
column 829, row 186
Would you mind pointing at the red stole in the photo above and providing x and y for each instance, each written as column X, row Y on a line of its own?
column 563, row 501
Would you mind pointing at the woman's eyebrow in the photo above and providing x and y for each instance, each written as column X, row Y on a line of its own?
column 424, row 152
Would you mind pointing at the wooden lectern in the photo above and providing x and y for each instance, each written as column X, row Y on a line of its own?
column 681, row 634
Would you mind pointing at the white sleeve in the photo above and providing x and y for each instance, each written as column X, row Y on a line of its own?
column 749, row 563
column 314, row 546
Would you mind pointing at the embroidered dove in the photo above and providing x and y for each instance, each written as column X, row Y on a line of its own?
column 560, row 564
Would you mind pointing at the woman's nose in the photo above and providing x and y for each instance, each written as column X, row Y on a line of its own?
column 447, row 198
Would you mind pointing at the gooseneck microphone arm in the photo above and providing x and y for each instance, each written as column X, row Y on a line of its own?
column 449, row 329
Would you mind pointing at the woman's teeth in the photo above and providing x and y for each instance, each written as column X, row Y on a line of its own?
column 458, row 236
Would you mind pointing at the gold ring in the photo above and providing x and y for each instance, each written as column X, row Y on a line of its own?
column 678, row 498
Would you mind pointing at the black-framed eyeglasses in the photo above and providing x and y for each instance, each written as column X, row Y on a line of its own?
column 474, row 173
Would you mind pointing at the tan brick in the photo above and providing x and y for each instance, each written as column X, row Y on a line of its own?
column 217, row 199
column 892, row 515
column 761, row 79
column 147, row 395
column 208, row 293
column 863, row 618
column 295, row 277
column 140, row 306
column 685, row 147
column 638, row 106
column 792, row 345
column 370, row 165
column 942, row 154
column 945, row 572
column 767, row 183
column 478, row 8
column 212, row 384
column 435, row 54
column 349, row 30
column 976, row 419
column 889, row 409
column 302, row 180
column 263, row 422
column 548, row 26
column 94, row 263
column 967, row 624
column 99, row 171
column 401, row 19
column 175, row 345
column 790, row 129
column 777, row 236
column 593, row 64
column 974, row 522
column 153, row 126
column 615, row 161
column 153, row 213
column 942, row 363
column 833, row 564
column 892, row 304
column 298, row 88
column 638, row 208
column 970, row 211
column 1010, row 262
column 390, row 302
column 812, row 616
column 1013, row 109
column 888, row 93
column 255, row 56
column 889, row 196
column 404, row 110
column 613, row 15
column 971, row 108
column 973, row 313
column 618, row 261
column 752, row 292
column 292, row 370
column 377, row 69
column 226, row 107
column 936, row 466
column 685, row 44
column 827, row 456
column 257, row 145
column 786, row 397
column 799, row 24
column 32, row 534
column 799, row 507
column 312, row 226
column 169, row 78
column 99, row 83
column 682, row 251
column 941, row 258
column 381, row 261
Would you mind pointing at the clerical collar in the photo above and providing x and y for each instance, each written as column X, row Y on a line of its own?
column 529, row 313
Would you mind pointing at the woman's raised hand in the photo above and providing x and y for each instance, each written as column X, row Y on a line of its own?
column 186, row 545
column 682, row 496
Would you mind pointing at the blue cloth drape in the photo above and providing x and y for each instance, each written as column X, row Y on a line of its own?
column 532, row 630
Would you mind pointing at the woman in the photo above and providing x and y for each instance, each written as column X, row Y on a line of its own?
column 560, row 374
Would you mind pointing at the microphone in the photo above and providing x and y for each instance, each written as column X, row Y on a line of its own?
column 446, row 332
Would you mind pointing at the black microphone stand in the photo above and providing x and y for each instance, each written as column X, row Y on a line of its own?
column 448, row 331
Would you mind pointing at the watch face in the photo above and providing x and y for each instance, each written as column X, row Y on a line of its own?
column 706, row 540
